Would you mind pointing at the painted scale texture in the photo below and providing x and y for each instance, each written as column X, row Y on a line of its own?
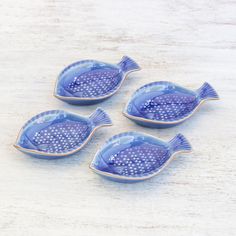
column 132, row 156
column 58, row 133
column 90, row 81
column 164, row 104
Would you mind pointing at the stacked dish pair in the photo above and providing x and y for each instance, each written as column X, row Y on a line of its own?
column 126, row 157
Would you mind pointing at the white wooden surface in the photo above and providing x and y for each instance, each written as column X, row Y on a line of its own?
column 187, row 42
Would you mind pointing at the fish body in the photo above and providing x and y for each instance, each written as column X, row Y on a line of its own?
column 90, row 81
column 164, row 104
column 57, row 133
column 132, row 156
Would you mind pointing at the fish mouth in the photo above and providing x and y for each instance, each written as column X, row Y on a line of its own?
column 15, row 145
column 91, row 166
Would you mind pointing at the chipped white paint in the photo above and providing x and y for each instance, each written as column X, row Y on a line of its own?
column 187, row 42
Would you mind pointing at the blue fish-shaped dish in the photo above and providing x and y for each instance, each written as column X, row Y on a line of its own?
column 132, row 156
column 165, row 104
column 89, row 81
column 57, row 133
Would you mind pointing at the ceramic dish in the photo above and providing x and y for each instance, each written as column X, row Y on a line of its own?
column 132, row 156
column 90, row 81
column 57, row 133
column 165, row 104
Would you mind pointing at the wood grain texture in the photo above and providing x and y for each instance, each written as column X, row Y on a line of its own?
column 187, row 42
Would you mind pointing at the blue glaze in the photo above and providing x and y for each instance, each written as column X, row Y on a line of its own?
column 57, row 133
column 165, row 104
column 132, row 156
column 89, row 81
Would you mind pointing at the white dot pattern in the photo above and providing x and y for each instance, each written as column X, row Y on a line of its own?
column 61, row 137
column 138, row 160
column 95, row 83
column 168, row 107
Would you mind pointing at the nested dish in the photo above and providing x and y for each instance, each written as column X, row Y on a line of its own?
column 57, row 133
column 132, row 156
column 90, row 81
column 164, row 104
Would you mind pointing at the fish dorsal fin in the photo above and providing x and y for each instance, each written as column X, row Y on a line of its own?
column 118, row 136
column 73, row 65
column 42, row 114
column 150, row 85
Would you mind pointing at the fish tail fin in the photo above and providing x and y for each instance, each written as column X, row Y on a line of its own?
column 100, row 118
column 179, row 143
column 206, row 91
column 127, row 64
